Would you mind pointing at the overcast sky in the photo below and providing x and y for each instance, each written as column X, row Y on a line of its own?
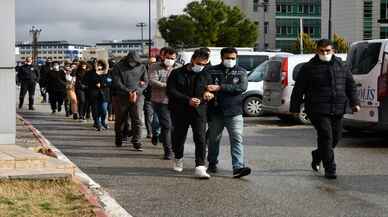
column 87, row 21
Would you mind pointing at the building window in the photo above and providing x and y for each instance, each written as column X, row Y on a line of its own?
column 384, row 9
column 255, row 5
column 278, row 8
column 368, row 19
column 266, row 27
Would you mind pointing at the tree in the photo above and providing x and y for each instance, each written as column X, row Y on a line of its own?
column 309, row 45
column 209, row 23
column 340, row 44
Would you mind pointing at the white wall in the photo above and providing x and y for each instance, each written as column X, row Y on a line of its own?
column 7, row 73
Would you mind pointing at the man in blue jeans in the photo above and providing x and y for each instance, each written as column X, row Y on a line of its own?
column 229, row 81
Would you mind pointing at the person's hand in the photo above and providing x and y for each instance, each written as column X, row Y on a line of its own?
column 133, row 97
column 356, row 108
column 141, row 83
column 213, row 88
column 195, row 102
column 207, row 96
column 98, row 85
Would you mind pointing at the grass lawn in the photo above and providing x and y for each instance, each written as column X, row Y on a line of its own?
column 60, row 198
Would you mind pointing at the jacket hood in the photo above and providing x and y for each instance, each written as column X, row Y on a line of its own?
column 132, row 56
column 105, row 66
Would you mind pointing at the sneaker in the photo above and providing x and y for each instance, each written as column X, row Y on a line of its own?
column 138, row 146
column 105, row 126
column 238, row 173
column 200, row 172
column 212, row 168
column 31, row 108
column 154, row 140
column 178, row 165
column 75, row 116
column 315, row 164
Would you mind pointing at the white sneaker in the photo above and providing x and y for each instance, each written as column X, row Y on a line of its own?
column 200, row 172
column 178, row 165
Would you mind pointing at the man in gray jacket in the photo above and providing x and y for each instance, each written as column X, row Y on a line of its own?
column 129, row 80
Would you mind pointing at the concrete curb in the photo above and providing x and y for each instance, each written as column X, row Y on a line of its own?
column 94, row 193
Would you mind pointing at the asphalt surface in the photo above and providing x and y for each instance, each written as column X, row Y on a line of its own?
column 282, row 183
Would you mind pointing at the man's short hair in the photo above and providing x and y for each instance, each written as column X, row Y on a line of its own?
column 324, row 43
column 162, row 50
column 200, row 54
column 169, row 50
column 205, row 49
column 228, row 50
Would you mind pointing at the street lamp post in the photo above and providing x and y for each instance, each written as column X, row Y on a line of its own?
column 142, row 25
column 149, row 29
column 264, row 5
column 35, row 32
column 330, row 14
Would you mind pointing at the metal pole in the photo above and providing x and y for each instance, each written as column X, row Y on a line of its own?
column 149, row 28
column 35, row 33
column 301, row 35
column 330, row 8
column 264, row 33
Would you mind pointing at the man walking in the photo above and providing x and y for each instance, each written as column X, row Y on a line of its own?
column 28, row 75
column 326, row 87
column 48, row 66
column 129, row 80
column 187, row 97
column 229, row 81
column 159, row 74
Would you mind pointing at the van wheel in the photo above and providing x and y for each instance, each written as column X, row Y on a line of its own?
column 253, row 106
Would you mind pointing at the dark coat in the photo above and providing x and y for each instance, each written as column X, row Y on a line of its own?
column 56, row 81
column 44, row 70
column 103, row 92
column 184, row 84
column 324, row 87
column 234, row 82
column 28, row 73
column 127, row 78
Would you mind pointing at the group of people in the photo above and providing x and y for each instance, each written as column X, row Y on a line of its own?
column 198, row 95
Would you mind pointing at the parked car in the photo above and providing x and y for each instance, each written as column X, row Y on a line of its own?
column 253, row 96
column 279, row 80
column 368, row 61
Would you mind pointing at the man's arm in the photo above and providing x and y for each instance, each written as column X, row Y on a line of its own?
column 117, row 82
column 154, row 78
column 351, row 89
column 143, row 83
column 299, row 90
column 173, row 92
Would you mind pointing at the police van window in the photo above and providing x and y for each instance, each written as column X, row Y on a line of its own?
column 296, row 71
column 257, row 74
column 249, row 62
column 363, row 57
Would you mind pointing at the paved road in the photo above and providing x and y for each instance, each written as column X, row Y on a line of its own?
column 282, row 183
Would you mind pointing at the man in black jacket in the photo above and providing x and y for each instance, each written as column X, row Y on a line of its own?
column 48, row 66
column 28, row 75
column 326, row 87
column 229, row 81
column 129, row 81
column 187, row 101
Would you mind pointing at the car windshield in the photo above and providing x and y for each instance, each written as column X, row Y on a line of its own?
column 257, row 74
column 249, row 62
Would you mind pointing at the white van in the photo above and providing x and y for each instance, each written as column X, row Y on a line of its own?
column 279, row 80
column 368, row 61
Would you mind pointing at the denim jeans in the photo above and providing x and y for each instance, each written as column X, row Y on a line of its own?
column 163, row 115
column 234, row 125
column 101, row 110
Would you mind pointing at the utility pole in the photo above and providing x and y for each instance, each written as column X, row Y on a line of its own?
column 149, row 29
column 330, row 15
column 142, row 25
column 35, row 32
column 301, row 35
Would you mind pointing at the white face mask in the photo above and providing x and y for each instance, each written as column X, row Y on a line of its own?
column 229, row 63
column 325, row 58
column 169, row 63
column 197, row 68
column 56, row 68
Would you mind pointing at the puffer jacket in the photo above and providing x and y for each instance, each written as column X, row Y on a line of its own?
column 324, row 87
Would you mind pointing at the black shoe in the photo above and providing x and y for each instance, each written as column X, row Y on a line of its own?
column 154, row 140
column 330, row 176
column 59, row 109
column 167, row 157
column 75, row 116
column 31, row 108
column 138, row 146
column 20, row 106
column 125, row 139
column 212, row 168
column 53, row 112
column 238, row 173
column 149, row 136
column 315, row 164
column 118, row 142
column 67, row 114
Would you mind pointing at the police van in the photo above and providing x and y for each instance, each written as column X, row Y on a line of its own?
column 368, row 61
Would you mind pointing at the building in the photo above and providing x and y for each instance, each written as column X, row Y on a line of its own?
column 57, row 50
column 7, row 73
column 121, row 48
column 356, row 20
